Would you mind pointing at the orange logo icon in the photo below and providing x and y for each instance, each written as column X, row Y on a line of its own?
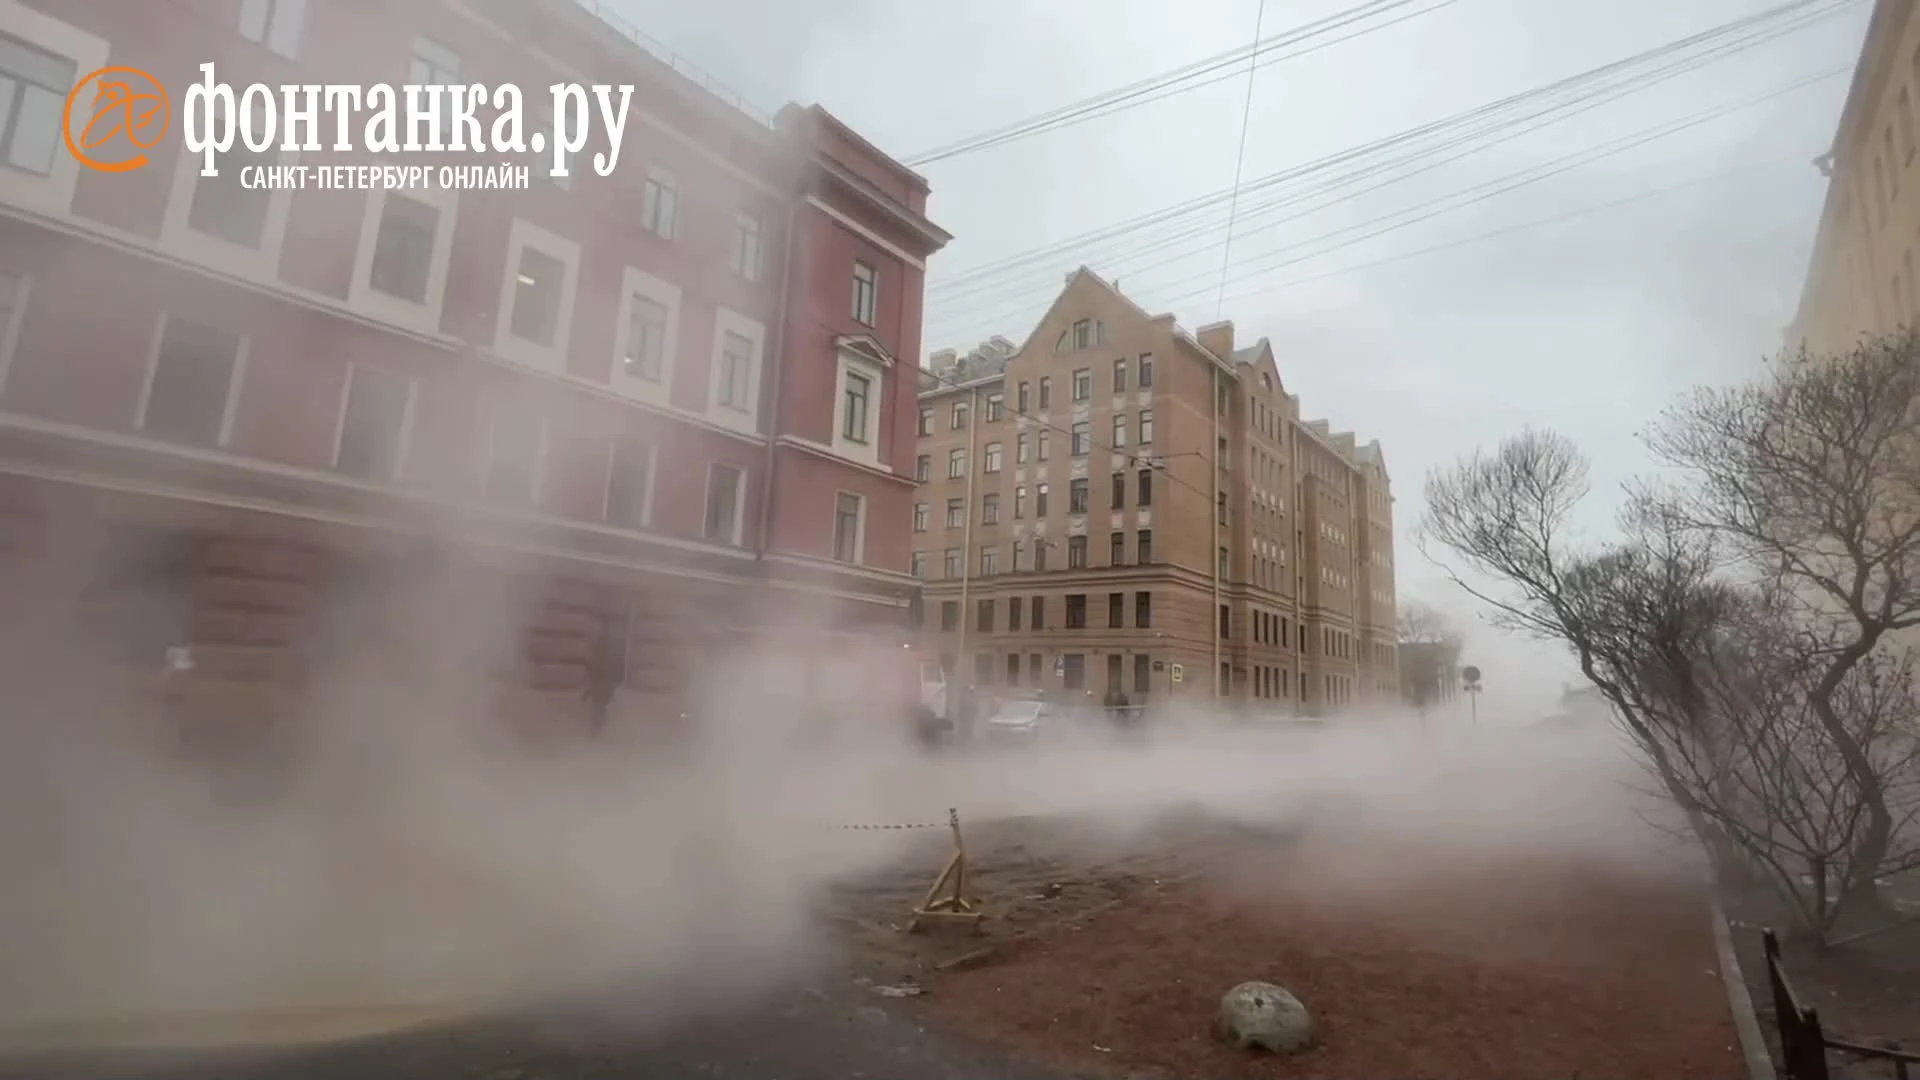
column 114, row 116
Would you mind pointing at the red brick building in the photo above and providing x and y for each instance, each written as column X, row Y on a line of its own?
column 665, row 403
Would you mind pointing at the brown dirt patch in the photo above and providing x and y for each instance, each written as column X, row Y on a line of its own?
column 1565, row 974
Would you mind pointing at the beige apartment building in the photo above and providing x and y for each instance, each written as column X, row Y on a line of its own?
column 1119, row 503
column 1864, row 278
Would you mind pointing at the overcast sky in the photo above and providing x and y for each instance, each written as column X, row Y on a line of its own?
column 1588, row 325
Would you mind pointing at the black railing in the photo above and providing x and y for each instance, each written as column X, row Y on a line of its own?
column 1803, row 1043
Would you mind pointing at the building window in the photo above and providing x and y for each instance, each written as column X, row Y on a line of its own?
column 1120, row 375
column 1019, row 556
column 1119, row 430
column 957, row 419
column 1077, row 496
column 514, row 451
column 1040, row 500
column 373, row 424
column 1039, row 621
column 996, row 407
column 1046, row 392
column 992, row 462
column 1146, row 370
column 1117, row 549
column 923, row 468
column 725, row 485
column 1226, row 621
column 1073, row 671
column 1082, row 441
column 949, row 615
column 1083, row 334
column 956, row 464
column 736, row 372
column 1076, row 552
column 847, row 512
column 1119, row 492
column 403, row 249
column 1013, row 659
column 1083, row 384
column 1143, row 548
column 926, row 423
column 1143, row 610
column 1039, row 554
column 433, row 64
column 646, row 338
column 1077, row 611
column 34, row 85
column 953, row 564
column 1146, row 427
column 1145, row 498
column 274, row 23
column 854, row 426
column 1116, row 671
column 1019, row 502
column 192, row 384
column 922, row 517
column 1142, row 673
column 917, row 565
column 989, row 560
column 1116, row 611
column 536, row 297
column 660, row 203
column 866, row 293
column 1021, row 406
column 1020, row 449
column 629, row 482
column 1013, row 623
column 224, row 207
column 956, row 513
column 990, row 508
column 983, row 616
column 746, row 246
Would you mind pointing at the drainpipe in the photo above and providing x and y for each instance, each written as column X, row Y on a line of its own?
column 1214, row 555
column 966, row 536
column 776, row 366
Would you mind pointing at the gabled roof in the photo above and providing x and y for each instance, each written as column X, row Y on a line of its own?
column 1084, row 277
column 865, row 346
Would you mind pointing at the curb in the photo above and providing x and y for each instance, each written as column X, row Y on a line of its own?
column 1746, row 1023
column 228, row 1031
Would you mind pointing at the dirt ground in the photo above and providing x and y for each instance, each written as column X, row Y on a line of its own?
column 1866, row 992
column 1113, row 966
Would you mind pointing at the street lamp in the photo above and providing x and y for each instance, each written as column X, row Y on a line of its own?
column 1470, row 682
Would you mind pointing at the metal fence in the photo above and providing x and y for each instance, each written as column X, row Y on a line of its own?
column 1803, row 1042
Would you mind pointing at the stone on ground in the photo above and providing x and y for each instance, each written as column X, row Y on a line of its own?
column 1258, row 1015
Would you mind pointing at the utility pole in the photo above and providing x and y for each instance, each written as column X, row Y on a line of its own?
column 962, row 660
column 1213, row 456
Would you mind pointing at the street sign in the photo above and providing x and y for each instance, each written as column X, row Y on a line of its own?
column 1178, row 674
column 1059, row 666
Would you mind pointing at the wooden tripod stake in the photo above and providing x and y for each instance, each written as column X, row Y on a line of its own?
column 955, row 906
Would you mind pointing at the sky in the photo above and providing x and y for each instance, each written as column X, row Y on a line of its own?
column 1588, row 324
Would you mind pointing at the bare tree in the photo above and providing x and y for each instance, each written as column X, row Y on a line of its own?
column 1708, row 664
column 1811, row 477
column 1430, row 654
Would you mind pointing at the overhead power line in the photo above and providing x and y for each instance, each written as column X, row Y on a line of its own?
column 1240, row 156
column 1180, row 80
column 1754, row 26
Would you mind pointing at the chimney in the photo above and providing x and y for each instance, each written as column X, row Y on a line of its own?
column 1217, row 338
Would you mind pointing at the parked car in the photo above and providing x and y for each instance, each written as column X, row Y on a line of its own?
column 1023, row 720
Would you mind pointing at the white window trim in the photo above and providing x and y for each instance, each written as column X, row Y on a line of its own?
column 228, row 413
column 548, row 358
column 726, row 321
column 606, row 489
column 867, row 453
column 52, row 193
column 541, row 439
column 634, row 282
column 180, row 237
column 10, row 333
column 739, row 503
column 374, row 304
column 859, row 529
column 405, row 438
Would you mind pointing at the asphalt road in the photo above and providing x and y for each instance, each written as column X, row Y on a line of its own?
column 800, row 1033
